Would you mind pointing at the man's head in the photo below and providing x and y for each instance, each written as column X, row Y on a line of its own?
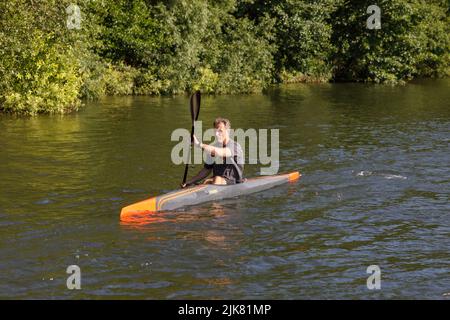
column 222, row 127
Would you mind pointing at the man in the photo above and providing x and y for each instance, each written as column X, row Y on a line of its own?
column 230, row 169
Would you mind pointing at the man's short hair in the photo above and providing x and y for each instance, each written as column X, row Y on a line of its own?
column 225, row 122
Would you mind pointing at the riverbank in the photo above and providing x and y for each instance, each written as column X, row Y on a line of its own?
column 54, row 55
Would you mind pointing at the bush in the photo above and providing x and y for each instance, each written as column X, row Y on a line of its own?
column 230, row 46
column 245, row 60
column 129, row 33
column 302, row 36
column 39, row 75
column 413, row 41
column 39, row 66
column 211, row 50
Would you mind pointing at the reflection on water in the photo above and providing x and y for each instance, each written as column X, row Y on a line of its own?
column 374, row 190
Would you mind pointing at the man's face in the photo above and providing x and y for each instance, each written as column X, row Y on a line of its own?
column 221, row 133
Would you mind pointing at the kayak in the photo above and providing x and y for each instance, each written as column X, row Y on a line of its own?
column 203, row 193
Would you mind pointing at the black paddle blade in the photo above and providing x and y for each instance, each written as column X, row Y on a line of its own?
column 195, row 105
column 195, row 111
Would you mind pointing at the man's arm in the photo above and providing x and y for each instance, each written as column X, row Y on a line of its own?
column 200, row 176
column 214, row 151
column 219, row 152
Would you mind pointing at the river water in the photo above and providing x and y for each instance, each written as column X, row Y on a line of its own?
column 374, row 191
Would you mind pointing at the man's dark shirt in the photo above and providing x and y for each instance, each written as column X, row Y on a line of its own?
column 224, row 167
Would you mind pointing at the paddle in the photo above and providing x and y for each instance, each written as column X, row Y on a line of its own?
column 195, row 110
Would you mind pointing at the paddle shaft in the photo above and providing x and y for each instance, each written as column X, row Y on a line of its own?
column 195, row 110
column 188, row 157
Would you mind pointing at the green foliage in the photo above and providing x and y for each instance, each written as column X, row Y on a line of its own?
column 207, row 80
column 46, row 79
column 301, row 35
column 413, row 41
column 187, row 25
column 156, row 47
column 207, row 48
column 39, row 70
column 129, row 33
column 102, row 78
column 245, row 60
column 147, row 83
column 433, row 32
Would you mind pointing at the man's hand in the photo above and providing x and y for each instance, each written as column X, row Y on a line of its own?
column 185, row 185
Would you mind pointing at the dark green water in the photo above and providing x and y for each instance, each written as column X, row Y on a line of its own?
column 375, row 190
